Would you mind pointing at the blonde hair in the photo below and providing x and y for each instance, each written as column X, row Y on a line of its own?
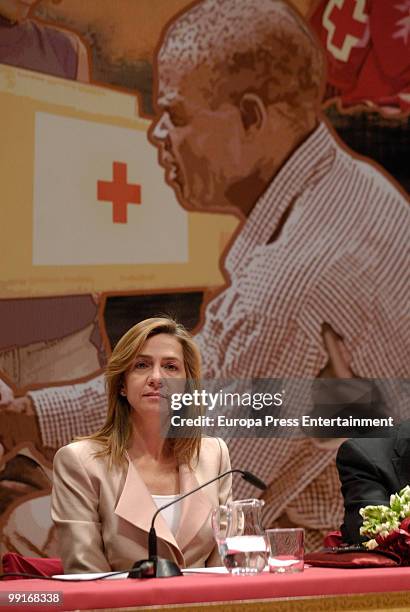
column 116, row 432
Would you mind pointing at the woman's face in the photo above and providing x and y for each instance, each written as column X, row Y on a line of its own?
column 160, row 360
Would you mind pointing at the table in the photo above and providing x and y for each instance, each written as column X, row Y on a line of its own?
column 311, row 591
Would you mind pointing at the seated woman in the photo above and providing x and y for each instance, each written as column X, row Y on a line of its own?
column 370, row 470
column 106, row 487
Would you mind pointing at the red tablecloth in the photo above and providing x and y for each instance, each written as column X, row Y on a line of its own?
column 209, row 587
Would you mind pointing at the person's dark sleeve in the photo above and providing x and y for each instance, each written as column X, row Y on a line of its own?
column 362, row 485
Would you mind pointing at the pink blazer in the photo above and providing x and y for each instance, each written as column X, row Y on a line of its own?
column 103, row 516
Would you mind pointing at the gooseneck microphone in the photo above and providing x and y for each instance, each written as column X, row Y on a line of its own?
column 155, row 567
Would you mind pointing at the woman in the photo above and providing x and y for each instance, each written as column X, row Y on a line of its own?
column 106, row 487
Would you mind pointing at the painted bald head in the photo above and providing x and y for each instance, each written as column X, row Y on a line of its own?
column 239, row 46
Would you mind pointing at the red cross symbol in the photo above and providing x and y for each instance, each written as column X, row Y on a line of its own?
column 119, row 192
column 343, row 18
column 346, row 22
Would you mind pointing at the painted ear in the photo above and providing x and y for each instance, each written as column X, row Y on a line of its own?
column 253, row 111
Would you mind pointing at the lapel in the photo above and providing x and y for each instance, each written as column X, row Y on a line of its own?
column 401, row 462
column 195, row 509
column 136, row 506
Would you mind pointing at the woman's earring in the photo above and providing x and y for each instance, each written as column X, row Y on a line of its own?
column 122, row 392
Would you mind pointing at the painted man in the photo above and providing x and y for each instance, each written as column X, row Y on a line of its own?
column 320, row 260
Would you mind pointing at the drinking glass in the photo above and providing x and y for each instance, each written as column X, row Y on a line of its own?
column 286, row 550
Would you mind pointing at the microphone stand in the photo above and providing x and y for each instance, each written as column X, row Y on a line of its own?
column 157, row 567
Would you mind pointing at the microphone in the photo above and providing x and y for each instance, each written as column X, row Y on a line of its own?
column 154, row 566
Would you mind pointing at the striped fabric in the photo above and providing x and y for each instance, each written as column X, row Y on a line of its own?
column 327, row 242
column 340, row 257
column 69, row 411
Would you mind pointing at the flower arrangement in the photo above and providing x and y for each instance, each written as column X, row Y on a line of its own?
column 388, row 527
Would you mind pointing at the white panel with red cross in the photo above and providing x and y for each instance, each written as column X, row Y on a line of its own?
column 100, row 197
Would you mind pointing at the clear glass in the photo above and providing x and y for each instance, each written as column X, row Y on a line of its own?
column 241, row 540
column 286, row 550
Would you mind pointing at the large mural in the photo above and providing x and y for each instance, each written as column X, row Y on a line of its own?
column 240, row 166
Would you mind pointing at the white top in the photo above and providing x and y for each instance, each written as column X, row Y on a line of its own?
column 172, row 514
